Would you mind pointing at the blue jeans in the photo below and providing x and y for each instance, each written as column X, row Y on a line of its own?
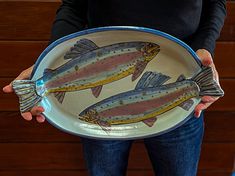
column 175, row 153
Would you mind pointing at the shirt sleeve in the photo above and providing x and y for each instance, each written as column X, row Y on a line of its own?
column 211, row 23
column 70, row 17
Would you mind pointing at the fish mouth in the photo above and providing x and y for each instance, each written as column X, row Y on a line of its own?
column 89, row 116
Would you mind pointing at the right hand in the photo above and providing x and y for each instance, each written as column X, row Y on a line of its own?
column 35, row 111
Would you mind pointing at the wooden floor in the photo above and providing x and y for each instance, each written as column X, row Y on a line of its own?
column 32, row 149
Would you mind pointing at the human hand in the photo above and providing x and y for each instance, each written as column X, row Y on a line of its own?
column 35, row 111
column 207, row 61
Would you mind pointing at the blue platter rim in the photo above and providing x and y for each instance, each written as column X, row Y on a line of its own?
column 113, row 28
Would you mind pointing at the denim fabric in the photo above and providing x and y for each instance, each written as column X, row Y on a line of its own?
column 175, row 153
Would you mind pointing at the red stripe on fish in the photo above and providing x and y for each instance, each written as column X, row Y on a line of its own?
column 108, row 64
column 143, row 106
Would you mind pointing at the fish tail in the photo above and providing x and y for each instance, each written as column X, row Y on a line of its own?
column 26, row 91
column 207, row 84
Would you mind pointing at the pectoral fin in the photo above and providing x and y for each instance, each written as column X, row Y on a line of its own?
column 150, row 122
column 181, row 78
column 104, row 125
column 96, row 90
column 139, row 68
column 59, row 96
column 187, row 104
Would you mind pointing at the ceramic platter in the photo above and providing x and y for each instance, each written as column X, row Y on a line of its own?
column 108, row 104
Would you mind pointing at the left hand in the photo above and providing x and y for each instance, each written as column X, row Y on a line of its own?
column 207, row 61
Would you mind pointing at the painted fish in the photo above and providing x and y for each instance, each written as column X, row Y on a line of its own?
column 89, row 66
column 151, row 98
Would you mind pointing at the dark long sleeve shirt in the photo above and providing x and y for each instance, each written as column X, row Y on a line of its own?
column 197, row 22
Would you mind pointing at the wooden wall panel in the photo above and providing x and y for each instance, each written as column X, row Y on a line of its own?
column 225, row 103
column 29, row 148
column 228, row 31
column 225, row 59
column 26, row 20
column 18, row 55
column 219, row 126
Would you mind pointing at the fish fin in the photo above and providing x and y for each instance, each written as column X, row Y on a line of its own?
column 150, row 122
column 59, row 96
column 207, row 84
column 96, row 90
column 28, row 97
column 104, row 125
column 181, row 78
column 47, row 71
column 81, row 47
column 139, row 68
column 151, row 79
column 187, row 104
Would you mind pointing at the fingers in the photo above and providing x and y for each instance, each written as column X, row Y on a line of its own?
column 40, row 118
column 8, row 89
column 23, row 75
column 206, row 101
column 207, row 61
column 27, row 116
column 37, row 112
column 209, row 99
column 200, row 107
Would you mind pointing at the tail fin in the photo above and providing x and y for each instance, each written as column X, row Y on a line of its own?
column 26, row 91
column 207, row 84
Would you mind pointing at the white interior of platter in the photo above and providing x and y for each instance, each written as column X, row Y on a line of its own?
column 173, row 60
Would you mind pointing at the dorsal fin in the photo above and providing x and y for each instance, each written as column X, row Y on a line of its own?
column 181, row 78
column 47, row 71
column 81, row 47
column 151, row 79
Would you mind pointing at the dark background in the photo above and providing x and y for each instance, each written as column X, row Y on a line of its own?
column 32, row 149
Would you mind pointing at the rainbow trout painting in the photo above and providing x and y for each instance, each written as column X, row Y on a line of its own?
column 151, row 98
column 89, row 67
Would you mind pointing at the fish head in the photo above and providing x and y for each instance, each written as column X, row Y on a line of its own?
column 90, row 116
column 150, row 50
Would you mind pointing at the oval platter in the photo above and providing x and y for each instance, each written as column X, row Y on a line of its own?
column 112, row 64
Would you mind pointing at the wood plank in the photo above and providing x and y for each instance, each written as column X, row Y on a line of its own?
column 17, row 56
column 50, row 156
column 219, row 127
column 225, row 103
column 9, row 102
column 224, row 59
column 67, row 156
column 11, row 123
column 213, row 173
column 217, row 156
column 228, row 31
column 26, row 20
column 84, row 173
column 33, row 20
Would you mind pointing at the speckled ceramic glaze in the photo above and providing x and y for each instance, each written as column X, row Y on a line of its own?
column 117, row 83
